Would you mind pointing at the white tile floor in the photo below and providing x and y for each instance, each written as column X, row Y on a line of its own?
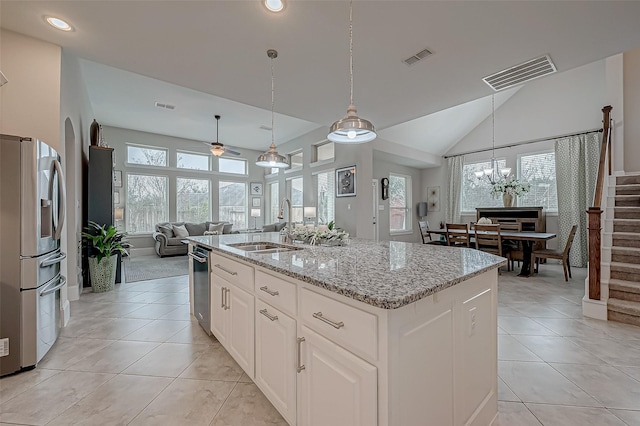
column 134, row 356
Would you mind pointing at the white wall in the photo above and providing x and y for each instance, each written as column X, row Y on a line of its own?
column 631, row 110
column 117, row 138
column 30, row 101
column 75, row 118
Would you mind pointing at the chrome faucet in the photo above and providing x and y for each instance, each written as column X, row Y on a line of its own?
column 281, row 216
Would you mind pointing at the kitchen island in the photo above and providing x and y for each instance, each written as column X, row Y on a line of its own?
column 385, row 333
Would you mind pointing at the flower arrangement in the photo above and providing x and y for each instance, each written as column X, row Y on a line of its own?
column 511, row 186
column 322, row 235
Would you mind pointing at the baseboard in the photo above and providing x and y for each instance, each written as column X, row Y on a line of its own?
column 146, row 251
column 66, row 313
column 596, row 309
column 73, row 292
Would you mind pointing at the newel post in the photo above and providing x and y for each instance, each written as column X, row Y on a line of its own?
column 594, row 252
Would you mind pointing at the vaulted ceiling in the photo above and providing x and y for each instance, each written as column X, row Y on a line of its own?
column 209, row 57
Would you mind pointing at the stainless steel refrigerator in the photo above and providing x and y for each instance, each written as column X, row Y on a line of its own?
column 32, row 200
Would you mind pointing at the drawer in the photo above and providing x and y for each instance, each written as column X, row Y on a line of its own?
column 277, row 292
column 344, row 324
column 232, row 271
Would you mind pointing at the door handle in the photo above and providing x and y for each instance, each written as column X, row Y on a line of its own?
column 53, row 259
column 61, row 282
column 299, row 368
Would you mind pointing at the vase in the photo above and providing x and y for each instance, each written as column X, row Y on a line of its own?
column 103, row 274
column 507, row 200
column 94, row 133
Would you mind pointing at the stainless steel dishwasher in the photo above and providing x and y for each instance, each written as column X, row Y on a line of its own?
column 201, row 289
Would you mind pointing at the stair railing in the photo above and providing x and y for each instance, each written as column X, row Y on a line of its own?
column 595, row 212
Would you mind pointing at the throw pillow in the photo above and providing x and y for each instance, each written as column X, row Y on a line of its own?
column 269, row 228
column 227, row 228
column 280, row 225
column 218, row 227
column 166, row 230
column 180, row 231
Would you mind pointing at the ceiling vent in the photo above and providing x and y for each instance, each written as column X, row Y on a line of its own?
column 522, row 73
column 165, row 106
column 417, row 57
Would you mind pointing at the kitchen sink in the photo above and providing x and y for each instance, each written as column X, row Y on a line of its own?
column 263, row 247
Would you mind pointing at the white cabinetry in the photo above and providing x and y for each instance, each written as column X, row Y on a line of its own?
column 241, row 328
column 219, row 316
column 276, row 358
column 335, row 387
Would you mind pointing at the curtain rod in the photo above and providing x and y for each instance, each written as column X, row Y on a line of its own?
column 526, row 142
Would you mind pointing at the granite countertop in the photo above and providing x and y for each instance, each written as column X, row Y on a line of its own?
column 386, row 274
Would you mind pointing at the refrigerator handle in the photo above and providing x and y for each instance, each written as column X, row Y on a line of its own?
column 62, row 280
column 56, row 168
column 57, row 257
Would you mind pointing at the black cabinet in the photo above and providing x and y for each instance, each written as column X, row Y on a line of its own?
column 100, row 208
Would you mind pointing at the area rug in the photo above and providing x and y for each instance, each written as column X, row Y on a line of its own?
column 141, row 268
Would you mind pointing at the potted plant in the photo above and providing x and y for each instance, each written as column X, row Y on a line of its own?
column 509, row 187
column 104, row 244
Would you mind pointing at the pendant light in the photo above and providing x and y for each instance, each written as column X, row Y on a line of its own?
column 492, row 173
column 351, row 129
column 271, row 158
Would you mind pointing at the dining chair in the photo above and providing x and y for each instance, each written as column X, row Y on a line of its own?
column 423, row 225
column 563, row 255
column 489, row 239
column 513, row 247
column 458, row 234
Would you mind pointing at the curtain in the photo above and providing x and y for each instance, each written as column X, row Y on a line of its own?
column 454, row 171
column 577, row 159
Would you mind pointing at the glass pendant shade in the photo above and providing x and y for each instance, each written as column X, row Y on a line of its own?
column 271, row 158
column 352, row 129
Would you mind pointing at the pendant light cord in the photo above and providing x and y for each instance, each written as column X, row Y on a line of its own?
column 272, row 102
column 493, row 132
column 351, row 49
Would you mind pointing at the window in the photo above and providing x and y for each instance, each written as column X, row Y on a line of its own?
column 295, row 195
column 325, row 151
column 271, row 171
column 326, row 197
column 229, row 165
column 232, row 201
column 399, row 203
column 146, row 202
column 193, row 200
column 540, row 171
column 295, row 160
column 477, row 192
column 146, row 156
column 187, row 160
column 274, row 200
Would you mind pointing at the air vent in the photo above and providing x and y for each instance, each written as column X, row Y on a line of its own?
column 267, row 128
column 522, row 73
column 165, row 106
column 417, row 57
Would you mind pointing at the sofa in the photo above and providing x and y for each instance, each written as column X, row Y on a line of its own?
column 168, row 244
column 274, row 227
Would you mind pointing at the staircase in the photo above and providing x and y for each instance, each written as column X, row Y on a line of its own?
column 624, row 286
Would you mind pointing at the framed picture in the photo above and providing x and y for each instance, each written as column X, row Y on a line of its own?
column 117, row 178
column 346, row 182
column 256, row 188
column 255, row 202
column 116, row 197
column 433, row 198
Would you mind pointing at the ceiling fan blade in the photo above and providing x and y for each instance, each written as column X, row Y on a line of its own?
column 230, row 151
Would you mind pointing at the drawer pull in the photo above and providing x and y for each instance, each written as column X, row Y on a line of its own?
column 225, row 269
column 271, row 292
column 300, row 367
column 334, row 324
column 266, row 314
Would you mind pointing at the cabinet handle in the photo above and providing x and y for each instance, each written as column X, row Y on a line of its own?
column 334, row 324
column 266, row 314
column 222, row 297
column 300, row 367
column 271, row 292
column 225, row 269
column 226, row 300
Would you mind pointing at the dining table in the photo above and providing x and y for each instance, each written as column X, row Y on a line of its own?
column 528, row 239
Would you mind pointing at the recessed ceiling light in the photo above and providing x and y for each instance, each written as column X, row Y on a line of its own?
column 274, row 5
column 58, row 23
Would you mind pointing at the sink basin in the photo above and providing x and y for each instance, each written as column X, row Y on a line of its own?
column 263, row 247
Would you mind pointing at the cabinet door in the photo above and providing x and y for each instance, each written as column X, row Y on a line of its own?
column 240, row 343
column 276, row 358
column 336, row 387
column 219, row 315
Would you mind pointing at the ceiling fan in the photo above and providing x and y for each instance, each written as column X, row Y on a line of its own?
column 216, row 147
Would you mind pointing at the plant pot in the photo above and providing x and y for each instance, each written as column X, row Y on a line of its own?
column 507, row 200
column 103, row 274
